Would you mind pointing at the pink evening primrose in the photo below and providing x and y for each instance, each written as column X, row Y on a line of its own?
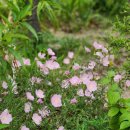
column 88, row 93
column 86, row 77
column 53, row 58
column 24, row 128
column 40, row 101
column 44, row 112
column 27, row 107
column 56, row 100
column 87, row 49
column 70, row 54
column 44, row 69
column 99, row 54
column 16, row 63
column 5, row 117
column 66, row 61
column 41, row 55
column 61, row 128
column 127, row 83
column 26, row 62
column 4, row 85
column 50, row 52
column 75, row 80
column 73, row 101
column 80, row 92
column 29, row 96
column 91, row 65
column 105, row 61
column 65, row 83
column 6, row 57
column 76, row 66
column 52, row 65
column 39, row 93
column 37, row 119
column 91, row 86
column 104, row 50
column 97, row 46
column 117, row 78
column 67, row 72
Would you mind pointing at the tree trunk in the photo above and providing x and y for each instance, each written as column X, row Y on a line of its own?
column 33, row 19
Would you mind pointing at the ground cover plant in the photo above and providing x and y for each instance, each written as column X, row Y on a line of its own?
column 64, row 80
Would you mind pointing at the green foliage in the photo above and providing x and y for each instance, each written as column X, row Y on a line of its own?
column 119, row 116
column 11, row 32
column 3, row 126
column 120, row 43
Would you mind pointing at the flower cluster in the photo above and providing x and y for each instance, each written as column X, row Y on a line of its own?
column 46, row 91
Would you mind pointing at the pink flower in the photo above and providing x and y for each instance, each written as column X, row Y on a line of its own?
column 24, row 128
column 66, row 61
column 76, row 66
column 41, row 55
column 16, row 63
column 6, row 57
column 91, row 86
column 4, row 85
column 65, row 83
column 80, row 92
column 27, row 107
column 73, row 101
column 44, row 112
column 91, row 65
column 111, row 57
column 86, row 77
column 39, row 93
column 29, row 96
column 56, row 100
column 52, row 65
column 117, row 78
column 88, row 93
column 99, row 54
column 67, row 72
column 127, row 83
column 39, row 63
column 5, row 117
column 87, row 49
column 61, row 128
column 38, row 80
column 50, row 52
column 37, row 119
column 97, row 46
column 75, row 80
column 71, row 55
column 44, row 69
column 105, row 61
column 26, row 61
column 53, row 58
column 40, row 101
column 104, row 50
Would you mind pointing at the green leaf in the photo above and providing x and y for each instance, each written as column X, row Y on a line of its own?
column 105, row 81
column 113, row 97
column 111, row 73
column 124, row 125
column 22, row 36
column 114, row 87
column 113, row 111
column 30, row 28
column 125, row 116
column 24, row 12
column 2, row 126
column 114, row 123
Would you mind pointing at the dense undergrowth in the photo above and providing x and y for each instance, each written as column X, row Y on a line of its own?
column 64, row 83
